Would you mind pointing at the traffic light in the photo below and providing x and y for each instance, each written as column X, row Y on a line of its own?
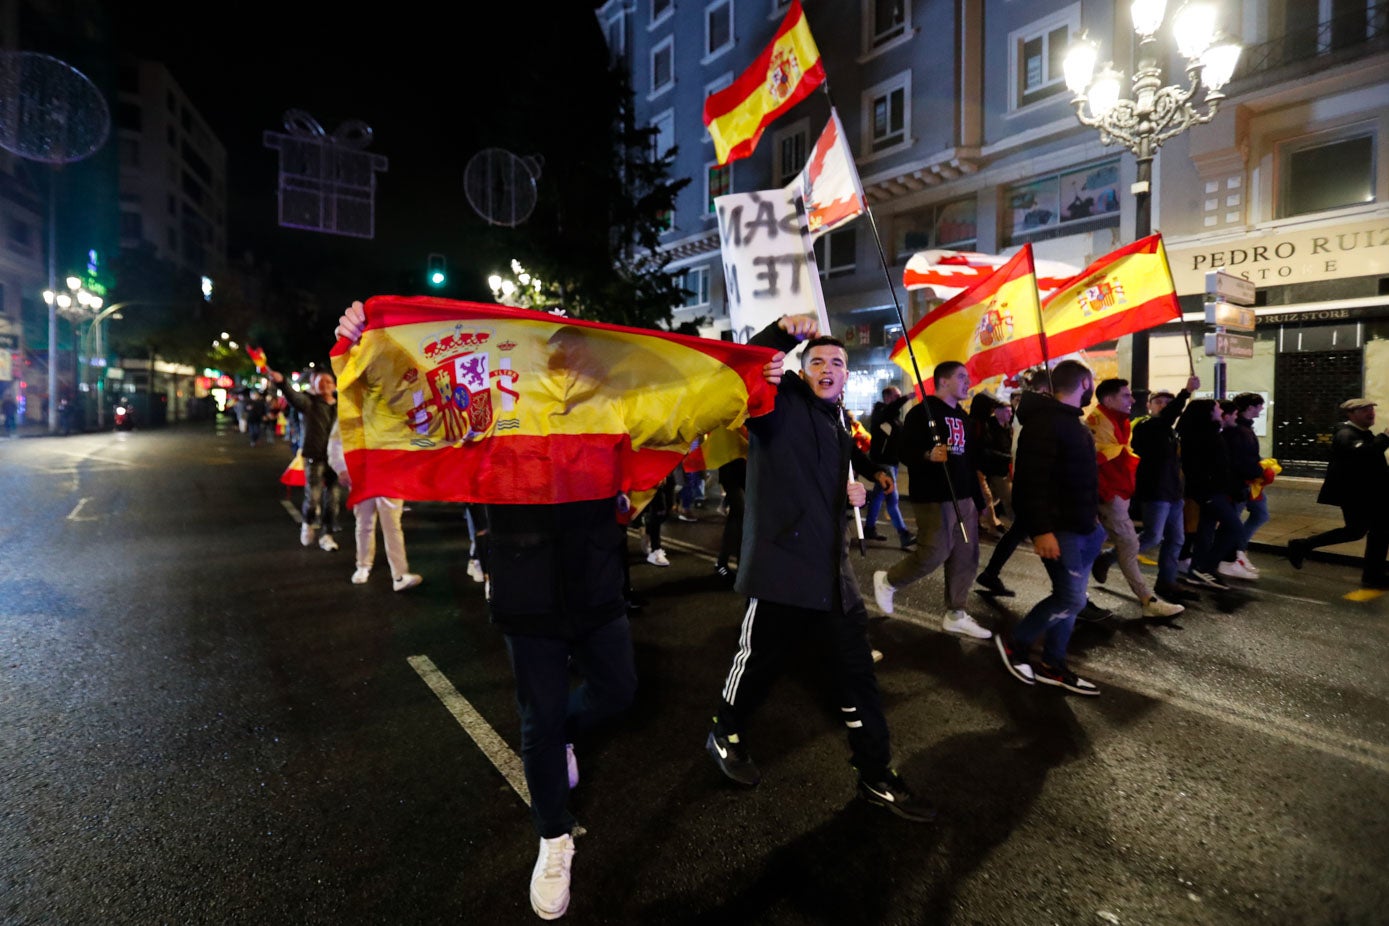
column 436, row 273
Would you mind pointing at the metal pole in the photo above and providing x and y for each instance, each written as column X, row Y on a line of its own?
column 1143, row 227
column 101, row 377
column 53, row 306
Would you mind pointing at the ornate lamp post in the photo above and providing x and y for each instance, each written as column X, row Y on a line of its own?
column 1154, row 113
column 76, row 304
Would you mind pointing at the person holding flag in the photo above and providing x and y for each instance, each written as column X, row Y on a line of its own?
column 794, row 567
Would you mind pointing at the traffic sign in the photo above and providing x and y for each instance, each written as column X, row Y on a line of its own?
column 1229, row 287
column 1220, row 344
column 1230, row 316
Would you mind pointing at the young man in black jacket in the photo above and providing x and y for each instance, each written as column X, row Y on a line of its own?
column 1056, row 494
column 1246, row 468
column 319, row 408
column 794, row 568
column 942, row 469
column 1159, row 486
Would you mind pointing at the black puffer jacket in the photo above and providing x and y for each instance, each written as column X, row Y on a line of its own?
column 1242, row 448
column 795, row 550
column 1358, row 472
column 319, row 417
column 1055, row 475
column 1205, row 461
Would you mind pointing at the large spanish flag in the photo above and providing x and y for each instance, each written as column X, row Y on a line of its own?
column 786, row 72
column 465, row 402
column 991, row 327
column 1125, row 291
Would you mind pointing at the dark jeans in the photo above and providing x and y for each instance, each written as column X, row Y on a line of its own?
column 1055, row 615
column 1013, row 536
column 769, row 632
column 1360, row 520
column 320, row 495
column 553, row 715
column 732, row 540
column 1218, row 534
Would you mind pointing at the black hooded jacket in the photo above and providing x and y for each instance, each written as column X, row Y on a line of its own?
column 1055, row 474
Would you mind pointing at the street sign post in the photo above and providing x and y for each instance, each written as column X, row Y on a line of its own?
column 1228, row 298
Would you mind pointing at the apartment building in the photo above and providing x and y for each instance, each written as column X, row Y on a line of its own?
column 965, row 138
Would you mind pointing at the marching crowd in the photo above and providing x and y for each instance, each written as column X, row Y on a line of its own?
column 1037, row 468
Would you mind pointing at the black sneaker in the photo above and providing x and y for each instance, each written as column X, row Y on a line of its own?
column 1297, row 552
column 1018, row 666
column 1208, row 580
column 1100, row 569
column 1174, row 593
column 892, row 793
column 873, row 535
column 726, row 573
column 733, row 760
column 1094, row 614
column 1065, row 678
column 908, row 541
column 994, row 584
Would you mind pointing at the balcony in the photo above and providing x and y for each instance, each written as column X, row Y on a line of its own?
column 1345, row 36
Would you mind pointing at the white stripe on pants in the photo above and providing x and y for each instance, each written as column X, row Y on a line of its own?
column 740, row 658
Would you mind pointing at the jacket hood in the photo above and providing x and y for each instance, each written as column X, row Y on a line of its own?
column 1037, row 403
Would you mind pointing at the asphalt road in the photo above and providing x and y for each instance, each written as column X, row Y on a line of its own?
column 203, row 722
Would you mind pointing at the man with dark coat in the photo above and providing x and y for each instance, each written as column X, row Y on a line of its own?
column 1158, row 485
column 794, row 567
column 1357, row 481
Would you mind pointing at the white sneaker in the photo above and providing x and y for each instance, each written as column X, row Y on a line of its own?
column 961, row 624
column 306, row 535
column 572, row 765
column 1156, row 607
column 657, row 557
column 475, row 570
column 327, row 543
column 550, row 877
column 882, row 591
column 1235, row 571
column 877, row 655
column 361, row 575
column 1242, row 557
column 409, row 580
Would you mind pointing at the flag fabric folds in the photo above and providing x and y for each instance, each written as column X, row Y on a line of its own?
column 948, row 273
column 1127, row 290
column 786, row 72
column 829, row 185
column 257, row 355
column 991, row 327
column 466, row 402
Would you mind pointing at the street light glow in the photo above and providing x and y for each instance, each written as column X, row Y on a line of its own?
column 73, row 283
column 1194, row 29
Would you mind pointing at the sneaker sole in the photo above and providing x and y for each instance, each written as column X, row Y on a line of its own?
column 549, row 914
column 982, row 634
column 1007, row 663
column 1056, row 683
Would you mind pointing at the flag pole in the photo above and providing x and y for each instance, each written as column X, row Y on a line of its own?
column 906, row 337
column 1042, row 340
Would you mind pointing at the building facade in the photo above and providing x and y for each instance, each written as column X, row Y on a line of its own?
column 965, row 138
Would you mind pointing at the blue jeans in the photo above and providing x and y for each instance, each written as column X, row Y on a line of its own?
column 875, row 503
column 1055, row 615
column 1258, row 517
column 1164, row 523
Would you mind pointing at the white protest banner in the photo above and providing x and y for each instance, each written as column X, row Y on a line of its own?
column 768, row 265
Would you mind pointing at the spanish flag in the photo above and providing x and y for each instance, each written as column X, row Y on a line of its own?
column 991, row 327
column 257, row 355
column 1125, row 291
column 786, row 72
column 464, row 402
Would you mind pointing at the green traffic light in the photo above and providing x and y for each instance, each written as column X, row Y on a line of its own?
column 436, row 278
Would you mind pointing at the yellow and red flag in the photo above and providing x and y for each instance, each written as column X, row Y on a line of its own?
column 257, row 355
column 1125, row 291
column 991, row 327
column 724, row 445
column 786, row 72
column 294, row 472
column 466, row 402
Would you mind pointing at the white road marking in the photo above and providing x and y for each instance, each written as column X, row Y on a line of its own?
column 293, row 511
column 72, row 515
column 493, row 746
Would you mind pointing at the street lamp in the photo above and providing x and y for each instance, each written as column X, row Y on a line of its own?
column 76, row 305
column 1154, row 113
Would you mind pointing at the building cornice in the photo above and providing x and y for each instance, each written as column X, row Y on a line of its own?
column 950, row 164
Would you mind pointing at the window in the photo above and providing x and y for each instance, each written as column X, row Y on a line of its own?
column 718, row 181
column 713, row 87
column 663, row 65
column 1326, row 173
column 836, row 252
column 660, row 9
column 950, row 225
column 1036, row 53
column 695, row 282
column 132, row 228
column 20, row 236
column 790, row 151
column 885, row 20
column 718, row 28
column 129, row 116
column 663, row 139
column 617, row 40
column 887, row 118
column 1062, row 204
column 130, row 152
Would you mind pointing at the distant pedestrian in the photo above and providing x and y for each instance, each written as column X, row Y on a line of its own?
column 255, row 417
column 991, row 424
column 1357, row 481
column 885, row 432
column 8, row 409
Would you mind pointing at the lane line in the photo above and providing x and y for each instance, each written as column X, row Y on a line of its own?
column 72, row 515
column 293, row 511
column 493, row 746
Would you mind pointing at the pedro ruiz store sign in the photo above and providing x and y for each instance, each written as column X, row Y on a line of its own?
column 1286, row 255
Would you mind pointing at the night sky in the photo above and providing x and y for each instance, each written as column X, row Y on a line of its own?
column 435, row 82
